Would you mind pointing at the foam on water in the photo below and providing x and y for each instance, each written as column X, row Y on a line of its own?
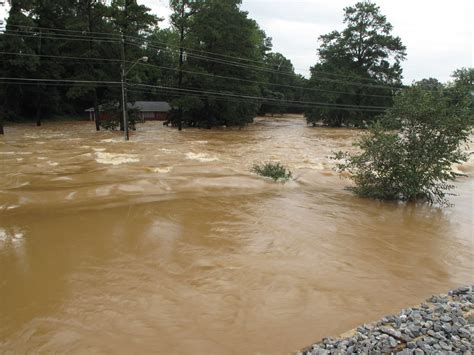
column 62, row 178
column 202, row 157
column 163, row 170
column 317, row 166
column 130, row 188
column 71, row 195
column 111, row 140
column 3, row 235
column 15, row 238
column 115, row 158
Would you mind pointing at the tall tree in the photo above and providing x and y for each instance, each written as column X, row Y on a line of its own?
column 362, row 62
column 281, row 85
column 221, row 27
column 462, row 88
column 91, row 17
column 134, row 22
column 22, row 62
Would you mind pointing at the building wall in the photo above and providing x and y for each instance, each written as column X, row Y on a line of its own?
column 146, row 116
column 156, row 116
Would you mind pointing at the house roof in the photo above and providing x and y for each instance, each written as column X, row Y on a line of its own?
column 152, row 106
column 144, row 106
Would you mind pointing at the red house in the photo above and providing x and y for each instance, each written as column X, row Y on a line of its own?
column 148, row 111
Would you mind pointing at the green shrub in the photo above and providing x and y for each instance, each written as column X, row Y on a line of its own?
column 414, row 162
column 274, row 170
column 110, row 125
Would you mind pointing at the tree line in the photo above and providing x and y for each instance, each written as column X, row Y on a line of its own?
column 82, row 40
column 215, row 65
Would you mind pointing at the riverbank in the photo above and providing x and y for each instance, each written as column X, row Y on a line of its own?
column 442, row 324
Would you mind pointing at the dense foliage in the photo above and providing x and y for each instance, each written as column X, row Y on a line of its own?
column 188, row 64
column 357, row 67
column 274, row 170
column 414, row 162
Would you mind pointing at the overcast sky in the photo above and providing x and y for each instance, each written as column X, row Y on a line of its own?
column 438, row 34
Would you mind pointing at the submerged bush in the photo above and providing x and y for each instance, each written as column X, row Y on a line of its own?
column 415, row 161
column 274, row 170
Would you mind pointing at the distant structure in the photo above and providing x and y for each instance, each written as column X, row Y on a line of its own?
column 148, row 110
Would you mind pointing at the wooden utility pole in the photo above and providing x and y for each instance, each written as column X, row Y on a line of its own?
column 39, row 93
column 91, row 29
column 124, row 91
column 181, row 60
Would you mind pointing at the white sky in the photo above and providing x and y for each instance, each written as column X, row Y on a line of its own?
column 438, row 34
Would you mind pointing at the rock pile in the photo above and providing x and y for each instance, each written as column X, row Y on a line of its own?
column 444, row 324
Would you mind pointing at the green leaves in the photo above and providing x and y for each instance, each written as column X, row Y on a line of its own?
column 219, row 27
column 414, row 162
column 274, row 170
column 365, row 56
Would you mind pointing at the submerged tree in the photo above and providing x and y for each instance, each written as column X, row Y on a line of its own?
column 282, row 85
column 414, row 162
column 462, row 88
column 359, row 66
column 221, row 27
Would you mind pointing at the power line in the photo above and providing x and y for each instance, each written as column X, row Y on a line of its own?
column 241, row 65
column 255, row 97
column 231, row 99
column 64, row 80
column 51, row 36
column 202, row 93
column 198, row 73
column 264, row 82
column 217, row 60
column 60, row 56
column 189, row 49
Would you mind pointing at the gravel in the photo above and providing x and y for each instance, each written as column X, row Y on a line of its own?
column 444, row 324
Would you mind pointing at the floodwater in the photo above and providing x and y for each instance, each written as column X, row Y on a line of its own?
column 168, row 244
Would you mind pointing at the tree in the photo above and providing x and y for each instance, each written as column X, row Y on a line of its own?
column 221, row 27
column 280, row 80
column 415, row 162
column 90, row 17
column 359, row 66
column 14, row 65
column 463, row 87
column 134, row 23
column 41, row 34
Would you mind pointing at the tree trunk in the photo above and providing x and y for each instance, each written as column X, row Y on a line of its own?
column 1, row 128
column 91, row 48
column 96, row 112
column 38, row 110
column 38, row 101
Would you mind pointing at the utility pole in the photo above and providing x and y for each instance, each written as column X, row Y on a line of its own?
column 39, row 92
column 181, row 60
column 124, row 90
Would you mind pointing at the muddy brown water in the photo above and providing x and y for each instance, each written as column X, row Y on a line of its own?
column 168, row 244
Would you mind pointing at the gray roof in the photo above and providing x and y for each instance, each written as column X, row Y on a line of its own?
column 144, row 106
column 152, row 106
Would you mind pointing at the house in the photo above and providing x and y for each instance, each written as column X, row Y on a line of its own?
column 148, row 110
